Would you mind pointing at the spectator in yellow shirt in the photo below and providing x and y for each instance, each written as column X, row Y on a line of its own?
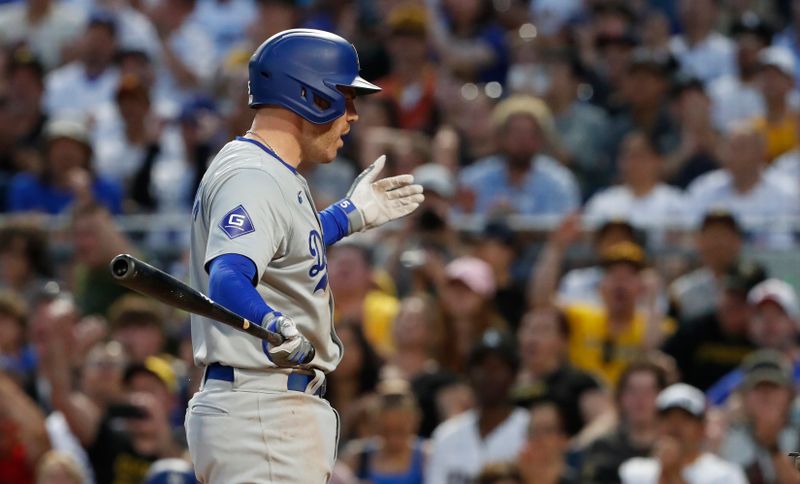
column 606, row 339
column 776, row 81
column 627, row 323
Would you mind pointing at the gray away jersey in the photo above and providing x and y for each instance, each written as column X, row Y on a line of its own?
column 251, row 203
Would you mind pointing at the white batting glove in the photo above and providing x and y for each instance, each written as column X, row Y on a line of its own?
column 295, row 349
column 380, row 201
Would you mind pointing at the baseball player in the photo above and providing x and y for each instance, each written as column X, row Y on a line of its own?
column 258, row 247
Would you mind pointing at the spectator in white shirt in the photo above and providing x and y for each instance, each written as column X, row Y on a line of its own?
column 186, row 60
column 735, row 97
column 718, row 242
column 642, row 198
column 46, row 26
column 678, row 455
column 787, row 168
column 495, row 431
column 700, row 50
column 81, row 87
column 741, row 187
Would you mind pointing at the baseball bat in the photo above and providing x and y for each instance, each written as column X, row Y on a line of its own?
column 145, row 279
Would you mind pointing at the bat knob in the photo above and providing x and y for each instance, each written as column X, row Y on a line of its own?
column 121, row 266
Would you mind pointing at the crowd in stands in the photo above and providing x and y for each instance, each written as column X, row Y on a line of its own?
column 633, row 332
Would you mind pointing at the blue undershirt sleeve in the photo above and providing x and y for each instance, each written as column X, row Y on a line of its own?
column 231, row 283
column 338, row 221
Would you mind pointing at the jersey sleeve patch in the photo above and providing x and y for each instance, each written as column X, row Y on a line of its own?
column 236, row 223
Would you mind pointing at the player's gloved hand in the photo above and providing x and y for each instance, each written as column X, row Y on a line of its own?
column 387, row 199
column 295, row 349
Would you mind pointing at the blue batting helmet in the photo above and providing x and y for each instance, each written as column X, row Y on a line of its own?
column 301, row 70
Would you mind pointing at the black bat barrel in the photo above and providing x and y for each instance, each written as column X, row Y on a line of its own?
column 143, row 278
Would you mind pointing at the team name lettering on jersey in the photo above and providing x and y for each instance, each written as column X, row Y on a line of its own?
column 316, row 247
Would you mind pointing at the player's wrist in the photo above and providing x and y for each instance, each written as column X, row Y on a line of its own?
column 353, row 212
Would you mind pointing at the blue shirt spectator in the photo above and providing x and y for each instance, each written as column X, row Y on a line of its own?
column 520, row 179
column 547, row 189
column 66, row 177
column 29, row 193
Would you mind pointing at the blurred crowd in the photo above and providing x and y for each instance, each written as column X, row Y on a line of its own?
column 629, row 332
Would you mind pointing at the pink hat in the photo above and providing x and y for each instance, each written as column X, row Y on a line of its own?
column 476, row 274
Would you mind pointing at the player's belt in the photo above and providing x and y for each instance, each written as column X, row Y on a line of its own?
column 296, row 382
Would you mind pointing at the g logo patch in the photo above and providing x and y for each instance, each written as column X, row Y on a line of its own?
column 236, row 223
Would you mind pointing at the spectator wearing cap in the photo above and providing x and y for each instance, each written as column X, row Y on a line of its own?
column 543, row 458
column 494, row 431
column 359, row 298
column 546, row 374
column 718, row 242
column 466, row 296
column 67, row 177
column 154, row 376
column 678, row 455
column 742, row 187
column 520, row 178
column 760, row 441
column 581, row 126
column 710, row 346
column 46, row 26
column 25, row 262
column 700, row 49
column 580, row 285
column 775, row 325
column 735, row 97
column 642, row 198
column 411, row 83
column 79, row 88
column 645, row 90
column 779, row 123
column 605, row 339
column 635, row 431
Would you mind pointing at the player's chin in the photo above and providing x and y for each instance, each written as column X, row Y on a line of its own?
column 330, row 153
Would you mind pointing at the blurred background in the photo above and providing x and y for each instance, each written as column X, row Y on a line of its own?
column 612, row 209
